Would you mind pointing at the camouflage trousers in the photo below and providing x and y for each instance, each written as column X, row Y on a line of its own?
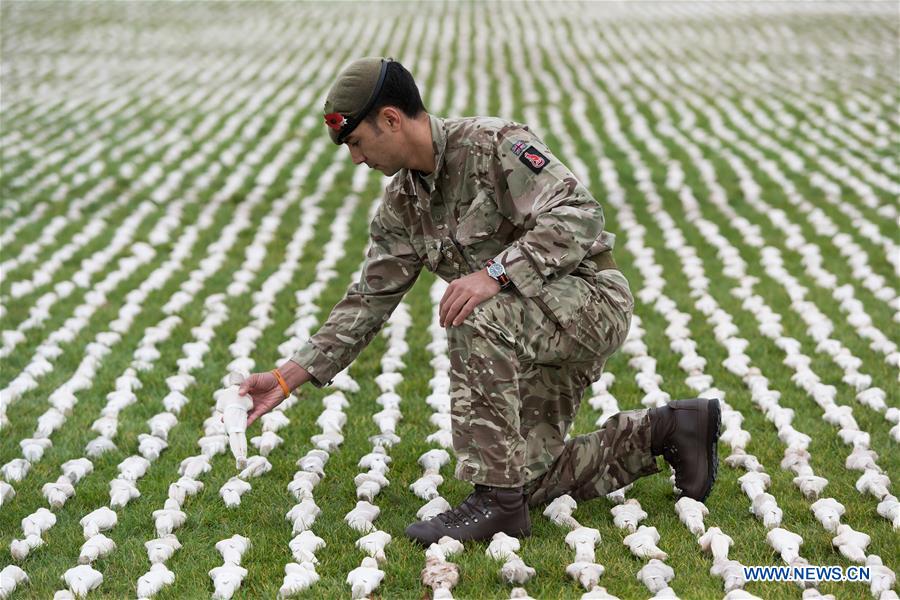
column 519, row 368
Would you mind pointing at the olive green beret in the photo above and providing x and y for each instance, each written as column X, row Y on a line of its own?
column 353, row 94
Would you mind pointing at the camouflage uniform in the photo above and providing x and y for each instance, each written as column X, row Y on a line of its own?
column 522, row 360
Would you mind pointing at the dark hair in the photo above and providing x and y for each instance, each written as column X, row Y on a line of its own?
column 400, row 91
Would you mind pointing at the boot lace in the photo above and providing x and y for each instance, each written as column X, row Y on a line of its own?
column 471, row 509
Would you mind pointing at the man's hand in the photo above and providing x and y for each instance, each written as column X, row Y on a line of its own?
column 464, row 294
column 265, row 391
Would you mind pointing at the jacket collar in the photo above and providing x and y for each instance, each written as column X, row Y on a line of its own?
column 414, row 183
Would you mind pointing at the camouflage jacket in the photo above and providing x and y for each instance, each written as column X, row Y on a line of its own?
column 497, row 193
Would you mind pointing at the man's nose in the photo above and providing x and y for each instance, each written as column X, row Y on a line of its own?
column 357, row 156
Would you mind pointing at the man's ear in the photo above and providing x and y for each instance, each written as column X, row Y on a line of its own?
column 392, row 117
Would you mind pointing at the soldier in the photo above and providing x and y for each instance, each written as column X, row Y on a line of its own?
column 534, row 308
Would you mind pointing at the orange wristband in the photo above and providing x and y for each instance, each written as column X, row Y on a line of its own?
column 281, row 382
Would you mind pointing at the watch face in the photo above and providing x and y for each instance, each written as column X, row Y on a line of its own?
column 496, row 270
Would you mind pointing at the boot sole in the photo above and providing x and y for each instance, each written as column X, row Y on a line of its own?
column 713, row 425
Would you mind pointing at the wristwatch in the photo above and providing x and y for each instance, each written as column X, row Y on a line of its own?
column 498, row 273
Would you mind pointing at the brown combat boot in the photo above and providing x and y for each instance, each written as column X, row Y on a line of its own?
column 686, row 433
column 486, row 511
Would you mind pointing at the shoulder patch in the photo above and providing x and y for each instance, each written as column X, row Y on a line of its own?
column 518, row 147
column 533, row 159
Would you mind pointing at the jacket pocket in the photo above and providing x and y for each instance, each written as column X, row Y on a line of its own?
column 480, row 221
column 564, row 300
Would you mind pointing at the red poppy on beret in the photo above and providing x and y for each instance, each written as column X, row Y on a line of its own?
column 335, row 120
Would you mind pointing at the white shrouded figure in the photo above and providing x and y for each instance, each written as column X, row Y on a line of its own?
column 75, row 470
column 305, row 545
column 828, row 511
column 851, row 543
column 628, row 515
column 162, row 548
column 889, row 508
column 256, row 466
column 810, row 485
column 656, row 575
column 227, row 579
column 184, row 487
column 786, row 543
column 426, row 486
column 234, row 408
column 102, row 519
column 882, row 578
column 374, row 543
column 38, row 522
column 121, row 492
column 433, row 508
column 57, row 493
column 873, row 482
column 96, row 547
column 232, row 490
column 642, row 543
column 766, row 509
column 297, row 577
column 598, row 593
column 731, row 572
column 169, row 518
column 583, row 541
column 233, row 548
column 691, row 513
column 444, row 548
column 11, row 577
column 502, row 546
column 20, row 549
column 515, row 571
column 560, row 511
column 434, row 459
column 194, row 466
column 587, row 573
column 754, row 483
column 362, row 516
column 82, row 579
column 150, row 583
column 303, row 514
column 716, row 543
column 365, row 578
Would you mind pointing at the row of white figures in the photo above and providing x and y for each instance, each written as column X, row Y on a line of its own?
column 810, row 485
column 584, row 569
column 812, row 259
column 228, row 576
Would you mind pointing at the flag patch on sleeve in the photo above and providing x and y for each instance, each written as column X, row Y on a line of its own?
column 533, row 159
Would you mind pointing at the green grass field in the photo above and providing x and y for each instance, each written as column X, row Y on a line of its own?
column 728, row 143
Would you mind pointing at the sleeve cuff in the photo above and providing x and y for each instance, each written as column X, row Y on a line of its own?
column 520, row 271
column 321, row 368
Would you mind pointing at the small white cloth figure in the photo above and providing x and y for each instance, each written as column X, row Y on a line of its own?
column 691, row 513
column 82, row 579
column 365, row 578
column 234, row 408
column 374, row 543
column 502, row 546
column 656, row 575
column 628, row 515
column 560, row 511
column 233, row 548
column 102, row 519
column 642, row 543
column 585, row 573
column 161, row 549
column 226, row 580
column 766, row 509
column 851, row 543
column 785, row 542
column 433, row 508
column 96, row 547
column 169, row 518
column 828, row 511
column 361, row 517
column 150, row 583
column 297, row 577
column 10, row 578
column 303, row 515
column 305, row 545
column 232, row 490
column 38, row 522
column 514, row 571
column 583, row 541
column 716, row 543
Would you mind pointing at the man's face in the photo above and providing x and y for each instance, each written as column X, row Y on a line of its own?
column 376, row 146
